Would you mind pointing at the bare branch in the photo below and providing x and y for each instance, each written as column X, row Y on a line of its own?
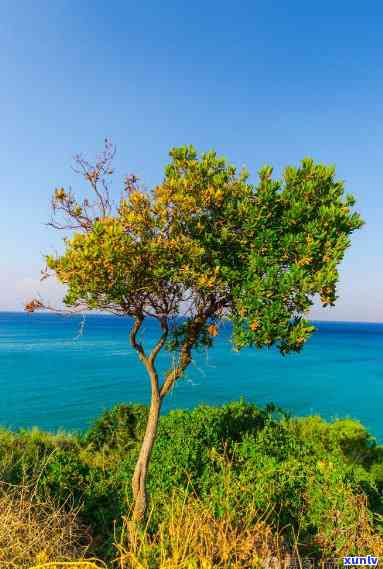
column 36, row 304
column 195, row 326
column 159, row 345
column 133, row 338
column 185, row 357
column 97, row 173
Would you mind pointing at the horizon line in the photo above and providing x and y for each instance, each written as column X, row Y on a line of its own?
column 95, row 313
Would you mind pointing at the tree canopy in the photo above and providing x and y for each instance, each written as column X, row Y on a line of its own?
column 207, row 244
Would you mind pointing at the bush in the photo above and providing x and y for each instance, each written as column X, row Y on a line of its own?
column 120, row 428
column 237, row 461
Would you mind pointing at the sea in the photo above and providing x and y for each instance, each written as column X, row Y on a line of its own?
column 61, row 372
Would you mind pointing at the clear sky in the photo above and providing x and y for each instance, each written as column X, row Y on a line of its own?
column 260, row 81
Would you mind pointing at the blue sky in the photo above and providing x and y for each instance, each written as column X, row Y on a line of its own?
column 259, row 81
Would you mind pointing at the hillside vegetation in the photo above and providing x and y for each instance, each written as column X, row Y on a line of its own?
column 228, row 486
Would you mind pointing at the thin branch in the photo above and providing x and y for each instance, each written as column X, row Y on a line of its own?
column 185, row 357
column 97, row 172
column 159, row 345
column 195, row 326
column 133, row 338
column 36, row 304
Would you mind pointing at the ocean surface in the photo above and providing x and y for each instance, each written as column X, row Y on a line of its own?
column 62, row 372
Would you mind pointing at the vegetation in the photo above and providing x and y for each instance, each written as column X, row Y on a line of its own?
column 207, row 244
column 35, row 529
column 229, row 486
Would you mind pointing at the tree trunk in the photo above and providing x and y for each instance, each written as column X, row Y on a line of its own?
column 140, row 472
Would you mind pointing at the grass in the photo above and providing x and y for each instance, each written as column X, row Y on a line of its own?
column 34, row 530
column 192, row 537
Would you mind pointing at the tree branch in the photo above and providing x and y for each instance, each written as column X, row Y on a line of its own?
column 159, row 345
column 185, row 357
column 195, row 327
column 35, row 304
column 133, row 339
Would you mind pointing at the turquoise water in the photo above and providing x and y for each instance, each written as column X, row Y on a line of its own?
column 53, row 377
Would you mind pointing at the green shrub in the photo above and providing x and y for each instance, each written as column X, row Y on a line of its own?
column 304, row 475
column 121, row 427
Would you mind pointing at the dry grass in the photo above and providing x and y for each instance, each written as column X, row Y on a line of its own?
column 33, row 532
column 358, row 536
column 41, row 536
column 192, row 538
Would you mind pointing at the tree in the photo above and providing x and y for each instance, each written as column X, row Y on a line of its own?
column 205, row 244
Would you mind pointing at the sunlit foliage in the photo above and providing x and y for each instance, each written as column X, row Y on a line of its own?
column 207, row 243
